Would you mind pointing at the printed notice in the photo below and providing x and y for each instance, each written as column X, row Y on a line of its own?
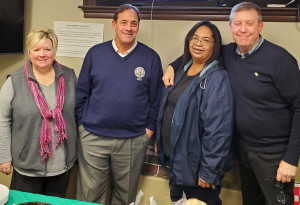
column 76, row 38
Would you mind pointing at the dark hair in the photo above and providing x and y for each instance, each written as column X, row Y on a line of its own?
column 217, row 42
column 125, row 7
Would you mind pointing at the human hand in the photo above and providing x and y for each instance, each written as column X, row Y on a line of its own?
column 204, row 184
column 286, row 172
column 168, row 77
column 149, row 133
column 155, row 147
column 5, row 168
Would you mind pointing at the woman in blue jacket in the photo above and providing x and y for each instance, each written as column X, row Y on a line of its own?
column 195, row 121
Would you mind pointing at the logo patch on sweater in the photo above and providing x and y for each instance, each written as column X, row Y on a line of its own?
column 139, row 73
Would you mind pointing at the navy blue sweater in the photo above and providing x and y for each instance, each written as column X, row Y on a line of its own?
column 266, row 87
column 119, row 97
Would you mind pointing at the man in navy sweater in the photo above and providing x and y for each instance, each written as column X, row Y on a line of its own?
column 117, row 102
column 265, row 80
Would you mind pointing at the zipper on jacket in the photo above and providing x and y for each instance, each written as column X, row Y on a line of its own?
column 67, row 155
column 189, row 99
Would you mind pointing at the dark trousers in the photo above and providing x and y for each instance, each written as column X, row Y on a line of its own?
column 207, row 195
column 258, row 178
column 52, row 186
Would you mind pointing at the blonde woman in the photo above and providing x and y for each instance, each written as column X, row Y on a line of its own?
column 38, row 133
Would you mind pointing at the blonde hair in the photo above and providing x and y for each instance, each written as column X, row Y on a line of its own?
column 40, row 34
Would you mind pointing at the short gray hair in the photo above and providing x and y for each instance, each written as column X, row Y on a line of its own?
column 246, row 6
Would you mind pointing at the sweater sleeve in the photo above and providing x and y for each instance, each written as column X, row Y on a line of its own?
column 217, row 118
column 177, row 63
column 83, row 88
column 287, row 82
column 156, row 85
column 6, row 96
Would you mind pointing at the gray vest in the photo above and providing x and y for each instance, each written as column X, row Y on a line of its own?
column 27, row 121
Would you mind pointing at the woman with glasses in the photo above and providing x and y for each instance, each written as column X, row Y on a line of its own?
column 195, row 121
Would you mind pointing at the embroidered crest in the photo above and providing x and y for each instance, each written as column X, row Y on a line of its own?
column 139, row 73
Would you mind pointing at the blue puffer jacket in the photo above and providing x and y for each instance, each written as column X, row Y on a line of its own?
column 202, row 127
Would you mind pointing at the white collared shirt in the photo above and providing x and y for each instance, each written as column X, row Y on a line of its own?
column 119, row 52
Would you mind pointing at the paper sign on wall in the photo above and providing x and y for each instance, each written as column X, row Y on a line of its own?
column 76, row 38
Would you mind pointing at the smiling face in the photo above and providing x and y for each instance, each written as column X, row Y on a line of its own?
column 126, row 27
column 42, row 55
column 202, row 49
column 245, row 29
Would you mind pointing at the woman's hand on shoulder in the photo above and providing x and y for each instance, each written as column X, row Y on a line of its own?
column 5, row 168
column 204, row 184
column 168, row 77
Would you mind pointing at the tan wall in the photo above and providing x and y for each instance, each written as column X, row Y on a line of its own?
column 166, row 37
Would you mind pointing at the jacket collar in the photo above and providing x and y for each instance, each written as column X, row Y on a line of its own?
column 204, row 70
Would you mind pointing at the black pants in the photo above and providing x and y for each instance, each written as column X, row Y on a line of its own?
column 207, row 195
column 52, row 186
column 258, row 179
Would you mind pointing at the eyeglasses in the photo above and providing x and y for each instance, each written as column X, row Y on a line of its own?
column 203, row 41
column 280, row 196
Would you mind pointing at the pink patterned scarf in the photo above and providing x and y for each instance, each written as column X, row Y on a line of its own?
column 59, row 122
